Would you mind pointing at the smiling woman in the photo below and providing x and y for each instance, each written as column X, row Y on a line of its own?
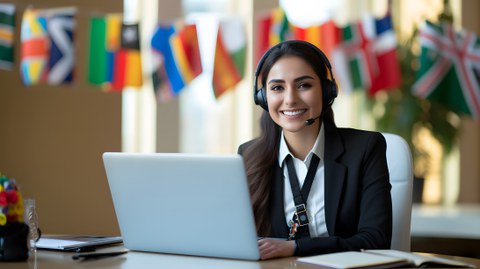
column 294, row 92
column 324, row 188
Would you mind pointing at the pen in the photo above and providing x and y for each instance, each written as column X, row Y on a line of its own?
column 97, row 255
column 84, row 249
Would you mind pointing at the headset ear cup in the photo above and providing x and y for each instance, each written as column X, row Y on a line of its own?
column 329, row 92
column 261, row 99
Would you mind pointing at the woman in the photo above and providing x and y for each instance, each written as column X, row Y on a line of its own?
column 341, row 199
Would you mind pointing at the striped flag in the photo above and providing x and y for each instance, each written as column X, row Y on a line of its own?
column 114, row 57
column 7, row 26
column 104, row 45
column 229, row 61
column 263, row 36
column 325, row 36
column 280, row 29
column 366, row 58
column 273, row 28
column 176, row 59
column 449, row 68
column 128, row 63
column 47, row 54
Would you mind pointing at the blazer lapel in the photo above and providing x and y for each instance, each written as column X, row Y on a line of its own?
column 334, row 175
column 277, row 211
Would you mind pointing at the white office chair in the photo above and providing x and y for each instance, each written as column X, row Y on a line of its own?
column 400, row 167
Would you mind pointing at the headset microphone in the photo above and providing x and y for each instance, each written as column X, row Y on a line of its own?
column 311, row 121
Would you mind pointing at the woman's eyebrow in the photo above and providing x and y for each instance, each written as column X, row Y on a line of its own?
column 295, row 80
column 302, row 78
column 276, row 81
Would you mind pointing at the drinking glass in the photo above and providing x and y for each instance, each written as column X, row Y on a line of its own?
column 31, row 219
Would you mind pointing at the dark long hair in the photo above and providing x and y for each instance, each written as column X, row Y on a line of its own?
column 261, row 156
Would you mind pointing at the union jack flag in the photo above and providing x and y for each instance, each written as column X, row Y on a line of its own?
column 449, row 70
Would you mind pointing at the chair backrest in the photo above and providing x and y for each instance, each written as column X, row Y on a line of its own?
column 400, row 168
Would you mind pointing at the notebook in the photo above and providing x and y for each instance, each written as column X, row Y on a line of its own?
column 76, row 243
column 192, row 204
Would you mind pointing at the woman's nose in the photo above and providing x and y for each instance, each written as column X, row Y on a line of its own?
column 291, row 95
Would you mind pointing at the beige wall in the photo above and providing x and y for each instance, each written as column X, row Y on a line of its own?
column 52, row 138
column 168, row 116
column 470, row 133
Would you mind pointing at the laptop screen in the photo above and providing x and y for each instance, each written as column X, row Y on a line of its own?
column 193, row 204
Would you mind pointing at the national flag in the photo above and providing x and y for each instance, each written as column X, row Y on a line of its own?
column 263, row 36
column 47, row 46
column 35, row 47
column 229, row 62
column 449, row 68
column 176, row 57
column 366, row 57
column 280, row 29
column 325, row 36
column 7, row 26
column 60, row 27
column 330, row 37
column 104, row 43
column 310, row 34
column 128, row 63
column 381, row 32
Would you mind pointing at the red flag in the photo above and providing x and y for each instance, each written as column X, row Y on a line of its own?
column 227, row 72
column 128, row 71
column 330, row 37
column 263, row 36
column 367, row 56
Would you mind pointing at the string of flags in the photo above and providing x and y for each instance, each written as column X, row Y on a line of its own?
column 363, row 54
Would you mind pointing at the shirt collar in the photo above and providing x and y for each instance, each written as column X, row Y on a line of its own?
column 317, row 149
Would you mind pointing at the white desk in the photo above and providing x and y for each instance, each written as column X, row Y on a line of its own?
column 460, row 221
column 141, row 260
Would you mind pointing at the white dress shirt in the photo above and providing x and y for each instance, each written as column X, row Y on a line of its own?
column 316, row 197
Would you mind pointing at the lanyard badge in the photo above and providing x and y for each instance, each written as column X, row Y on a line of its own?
column 301, row 215
column 300, row 218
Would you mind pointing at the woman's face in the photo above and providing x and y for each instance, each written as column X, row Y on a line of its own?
column 294, row 93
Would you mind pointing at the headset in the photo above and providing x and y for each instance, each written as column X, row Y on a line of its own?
column 329, row 86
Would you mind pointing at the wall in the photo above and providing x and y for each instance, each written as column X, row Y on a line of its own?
column 168, row 116
column 470, row 132
column 52, row 137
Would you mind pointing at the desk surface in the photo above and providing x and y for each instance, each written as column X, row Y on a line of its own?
column 458, row 221
column 138, row 260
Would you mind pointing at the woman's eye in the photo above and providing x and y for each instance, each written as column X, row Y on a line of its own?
column 304, row 85
column 276, row 88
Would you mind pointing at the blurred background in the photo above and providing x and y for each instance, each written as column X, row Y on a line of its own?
column 135, row 76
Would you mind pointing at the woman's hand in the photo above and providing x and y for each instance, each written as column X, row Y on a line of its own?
column 275, row 248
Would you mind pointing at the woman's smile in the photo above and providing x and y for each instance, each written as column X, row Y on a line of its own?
column 293, row 114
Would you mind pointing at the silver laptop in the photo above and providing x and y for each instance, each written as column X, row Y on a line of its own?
column 193, row 204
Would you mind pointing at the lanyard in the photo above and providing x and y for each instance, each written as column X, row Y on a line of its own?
column 300, row 217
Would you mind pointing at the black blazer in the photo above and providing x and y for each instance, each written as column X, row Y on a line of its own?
column 358, row 206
